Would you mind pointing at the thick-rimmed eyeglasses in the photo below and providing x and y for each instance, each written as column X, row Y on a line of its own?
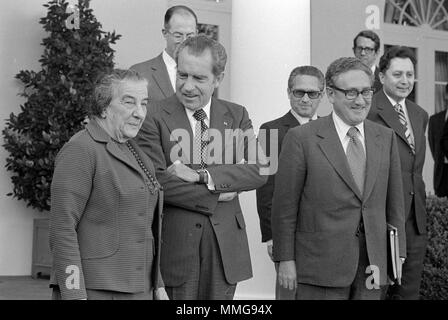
column 352, row 94
column 367, row 50
column 179, row 36
column 311, row 94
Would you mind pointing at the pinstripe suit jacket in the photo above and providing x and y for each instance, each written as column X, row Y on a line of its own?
column 100, row 209
column 186, row 203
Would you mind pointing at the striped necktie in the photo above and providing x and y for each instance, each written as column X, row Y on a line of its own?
column 403, row 121
column 200, row 137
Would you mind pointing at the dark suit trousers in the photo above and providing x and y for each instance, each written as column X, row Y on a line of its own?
column 413, row 265
column 356, row 291
column 442, row 190
column 206, row 280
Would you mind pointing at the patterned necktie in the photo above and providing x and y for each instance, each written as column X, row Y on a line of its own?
column 200, row 137
column 356, row 158
column 402, row 118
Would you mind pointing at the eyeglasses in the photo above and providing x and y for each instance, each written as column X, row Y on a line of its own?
column 179, row 36
column 311, row 94
column 368, row 50
column 352, row 94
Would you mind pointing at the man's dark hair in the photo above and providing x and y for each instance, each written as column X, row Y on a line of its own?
column 396, row 52
column 180, row 10
column 369, row 35
column 198, row 45
column 306, row 71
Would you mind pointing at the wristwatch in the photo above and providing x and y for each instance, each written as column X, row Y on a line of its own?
column 203, row 176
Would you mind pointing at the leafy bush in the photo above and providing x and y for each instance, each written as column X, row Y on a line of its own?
column 435, row 273
column 57, row 98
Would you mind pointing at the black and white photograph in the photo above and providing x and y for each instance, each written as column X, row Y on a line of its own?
column 238, row 151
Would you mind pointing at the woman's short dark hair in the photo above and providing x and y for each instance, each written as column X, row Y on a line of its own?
column 105, row 87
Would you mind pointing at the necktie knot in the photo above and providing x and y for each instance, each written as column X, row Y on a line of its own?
column 200, row 115
column 353, row 133
column 398, row 108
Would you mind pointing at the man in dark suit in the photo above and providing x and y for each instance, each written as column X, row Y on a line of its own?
column 435, row 133
column 391, row 109
column 366, row 47
column 180, row 22
column 305, row 87
column 337, row 187
column 205, row 250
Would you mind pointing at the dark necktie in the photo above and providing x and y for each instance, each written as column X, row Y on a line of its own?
column 200, row 137
column 403, row 121
column 356, row 158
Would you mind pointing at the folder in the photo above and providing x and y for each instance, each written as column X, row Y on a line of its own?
column 394, row 260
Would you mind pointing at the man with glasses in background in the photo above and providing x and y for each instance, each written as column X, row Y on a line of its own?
column 366, row 47
column 391, row 108
column 337, row 187
column 180, row 23
column 305, row 88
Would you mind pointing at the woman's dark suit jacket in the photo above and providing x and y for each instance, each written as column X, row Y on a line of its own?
column 100, row 207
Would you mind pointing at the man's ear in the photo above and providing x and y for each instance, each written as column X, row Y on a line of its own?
column 218, row 79
column 330, row 94
column 382, row 76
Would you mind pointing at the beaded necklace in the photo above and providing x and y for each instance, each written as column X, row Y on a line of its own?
column 152, row 184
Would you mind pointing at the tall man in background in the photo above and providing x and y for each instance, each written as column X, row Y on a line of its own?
column 305, row 89
column 180, row 23
column 391, row 109
column 366, row 47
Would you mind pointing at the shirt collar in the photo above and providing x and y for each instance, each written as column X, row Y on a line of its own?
column 402, row 102
column 169, row 61
column 206, row 109
column 301, row 119
column 342, row 128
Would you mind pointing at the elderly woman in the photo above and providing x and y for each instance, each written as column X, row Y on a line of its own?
column 106, row 205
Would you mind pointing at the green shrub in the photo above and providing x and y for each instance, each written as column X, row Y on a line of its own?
column 435, row 273
column 57, row 98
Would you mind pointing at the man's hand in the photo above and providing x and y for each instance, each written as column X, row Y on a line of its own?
column 183, row 172
column 269, row 245
column 287, row 276
column 160, row 294
column 227, row 196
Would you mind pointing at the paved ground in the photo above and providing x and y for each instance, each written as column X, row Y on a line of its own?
column 24, row 288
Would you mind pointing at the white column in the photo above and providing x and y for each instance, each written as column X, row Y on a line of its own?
column 269, row 39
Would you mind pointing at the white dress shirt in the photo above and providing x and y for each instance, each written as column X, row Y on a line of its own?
column 171, row 67
column 301, row 119
column 342, row 129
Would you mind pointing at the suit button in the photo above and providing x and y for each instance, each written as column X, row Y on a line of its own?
column 412, row 193
column 198, row 225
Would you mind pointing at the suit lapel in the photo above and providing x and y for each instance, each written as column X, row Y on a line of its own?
column 387, row 112
column 373, row 155
column 220, row 119
column 176, row 118
column 161, row 77
column 332, row 148
column 289, row 121
column 414, row 118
